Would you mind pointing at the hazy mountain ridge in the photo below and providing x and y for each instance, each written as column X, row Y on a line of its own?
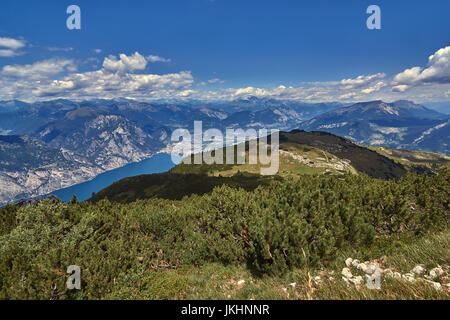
column 100, row 135
column 401, row 124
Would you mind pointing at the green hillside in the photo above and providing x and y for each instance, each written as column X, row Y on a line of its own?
column 415, row 160
column 225, row 232
column 234, row 243
column 301, row 153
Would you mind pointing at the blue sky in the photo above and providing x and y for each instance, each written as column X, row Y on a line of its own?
column 233, row 44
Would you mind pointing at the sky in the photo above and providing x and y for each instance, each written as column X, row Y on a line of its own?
column 225, row 49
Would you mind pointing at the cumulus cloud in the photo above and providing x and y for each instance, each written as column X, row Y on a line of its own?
column 361, row 81
column 437, row 71
column 210, row 81
column 116, row 79
column 152, row 58
column 8, row 53
column 128, row 76
column 125, row 63
column 9, row 47
column 10, row 43
column 38, row 70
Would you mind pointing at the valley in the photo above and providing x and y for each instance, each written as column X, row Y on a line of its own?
column 52, row 145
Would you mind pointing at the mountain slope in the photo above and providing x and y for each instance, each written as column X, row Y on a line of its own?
column 109, row 141
column 31, row 168
column 361, row 158
column 396, row 124
column 107, row 134
column 301, row 153
column 436, row 138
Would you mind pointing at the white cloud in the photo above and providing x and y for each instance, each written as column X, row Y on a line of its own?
column 376, row 87
column 125, row 63
column 210, row 81
column 361, row 81
column 152, row 58
column 65, row 49
column 116, row 79
column 128, row 76
column 10, row 43
column 8, row 53
column 38, row 70
column 400, row 88
column 9, row 47
column 437, row 71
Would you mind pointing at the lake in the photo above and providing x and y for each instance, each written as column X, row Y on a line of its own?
column 161, row 162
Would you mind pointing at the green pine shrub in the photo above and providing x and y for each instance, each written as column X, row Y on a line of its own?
column 121, row 248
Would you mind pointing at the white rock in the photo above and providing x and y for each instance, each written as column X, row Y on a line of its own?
column 348, row 262
column 436, row 285
column 292, row 285
column 358, row 280
column 436, row 272
column 363, row 267
column 355, row 263
column 241, row 282
column 388, row 272
column 418, row 270
column 408, row 277
column 397, row 275
column 372, row 268
column 346, row 273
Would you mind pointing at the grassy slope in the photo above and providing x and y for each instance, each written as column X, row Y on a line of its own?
column 414, row 160
column 131, row 251
column 216, row 281
column 301, row 153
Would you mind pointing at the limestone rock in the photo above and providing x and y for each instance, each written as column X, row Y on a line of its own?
column 409, row 277
column 348, row 262
column 346, row 273
column 436, row 272
column 363, row 267
column 418, row 270
column 241, row 283
column 358, row 280
column 355, row 263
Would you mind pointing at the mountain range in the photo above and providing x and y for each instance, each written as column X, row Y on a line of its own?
column 302, row 154
column 48, row 145
column 401, row 124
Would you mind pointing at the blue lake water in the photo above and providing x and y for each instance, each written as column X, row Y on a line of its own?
column 161, row 162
